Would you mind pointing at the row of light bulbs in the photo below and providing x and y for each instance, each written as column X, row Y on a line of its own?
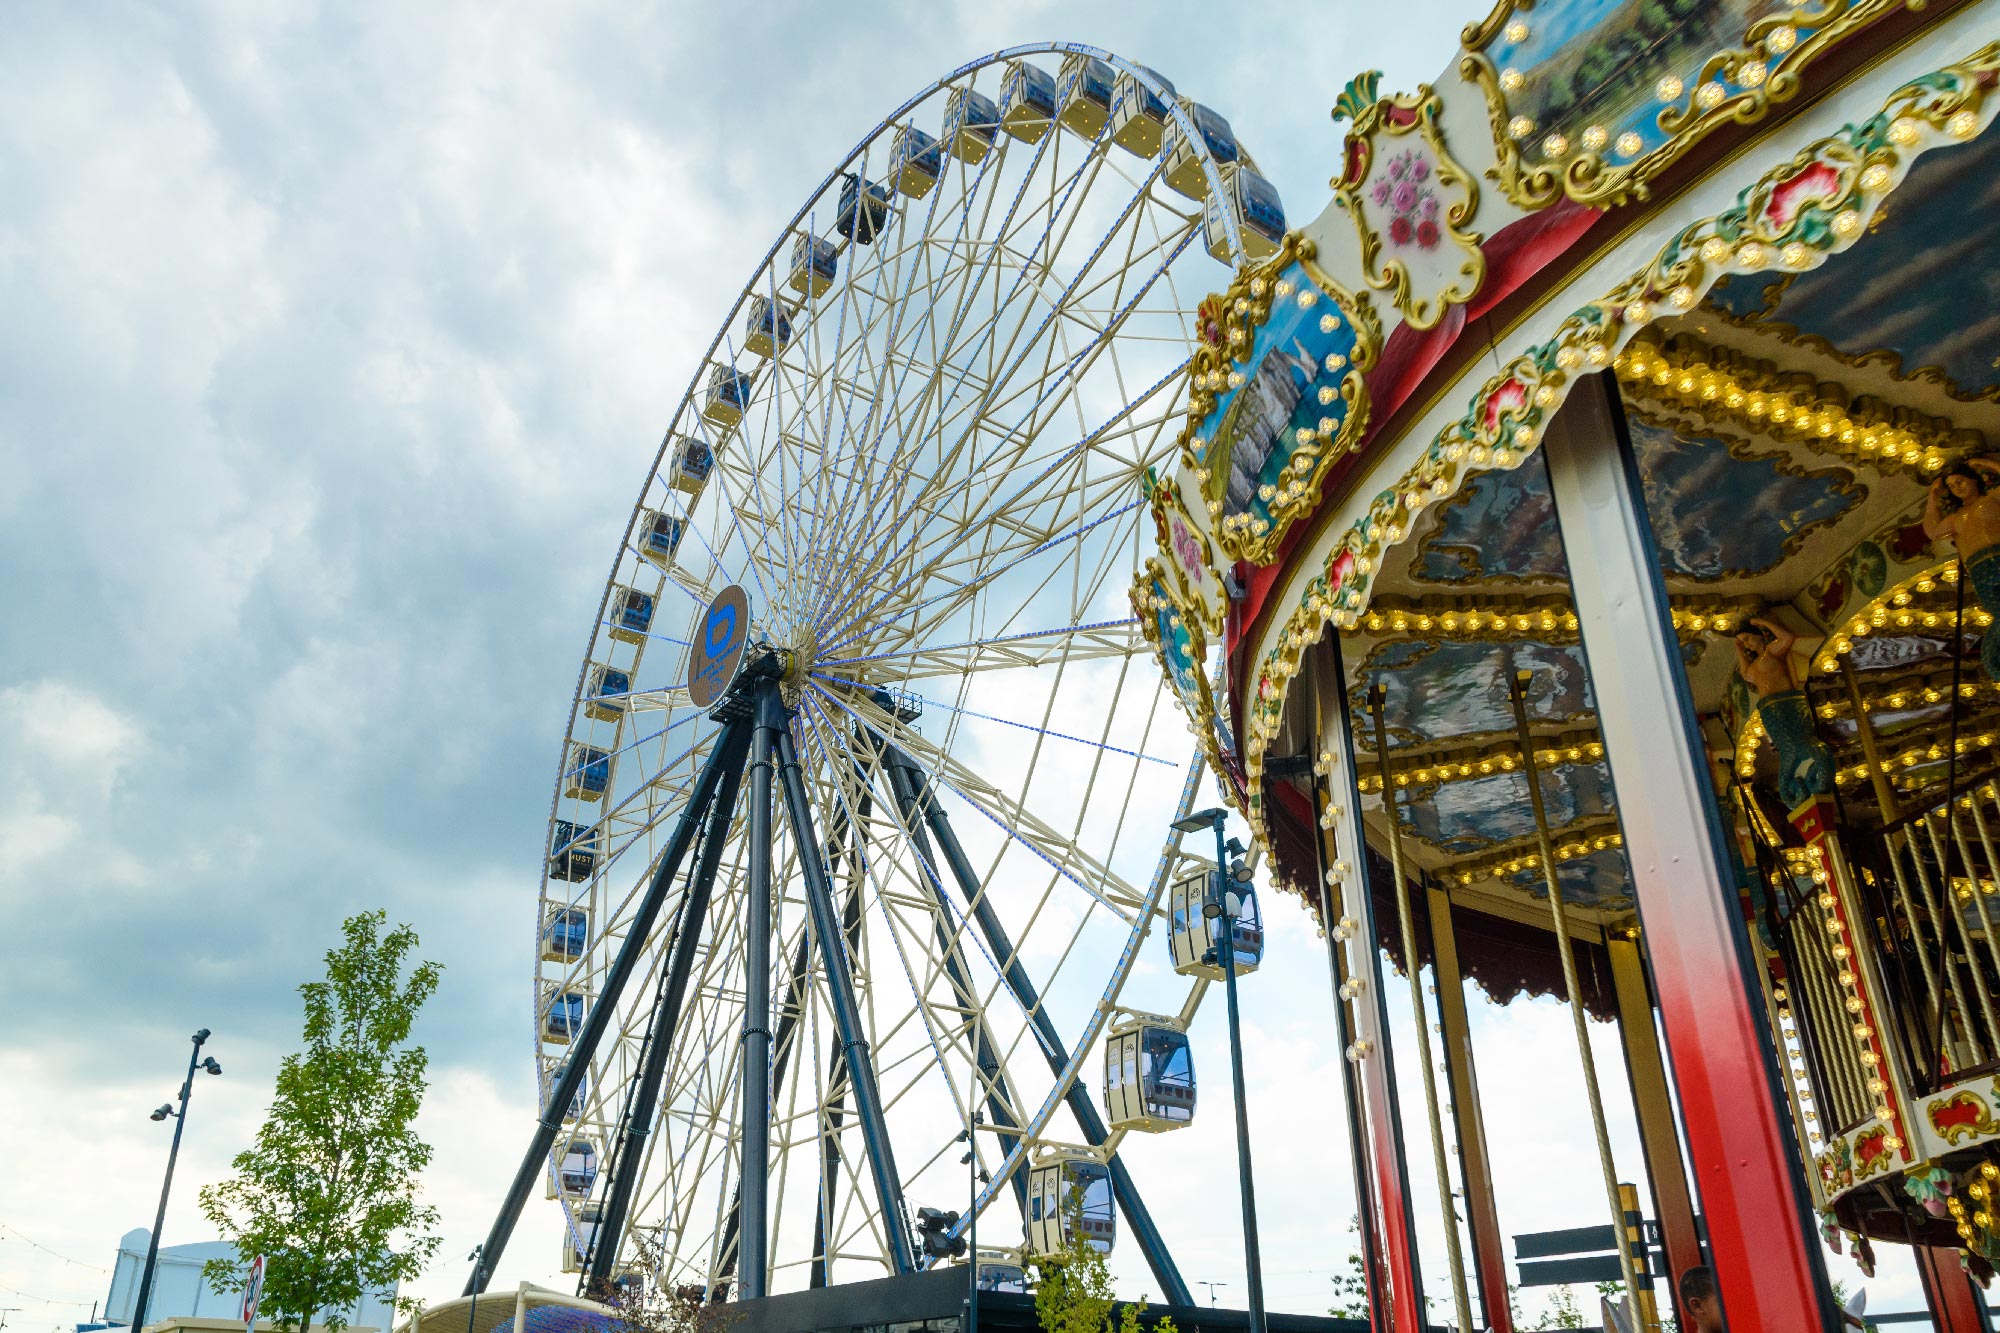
column 1505, row 762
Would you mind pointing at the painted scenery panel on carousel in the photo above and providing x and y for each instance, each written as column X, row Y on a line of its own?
column 1745, row 295
column 1281, row 411
column 1717, row 515
column 1598, row 879
column 1586, row 93
column 1434, row 690
column 1883, row 297
column 1500, row 527
column 1475, row 814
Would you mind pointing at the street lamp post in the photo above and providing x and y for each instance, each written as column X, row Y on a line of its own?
column 973, row 1175
column 1222, row 908
column 195, row 1062
column 478, row 1257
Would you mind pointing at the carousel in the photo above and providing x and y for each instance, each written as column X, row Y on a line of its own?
column 1580, row 563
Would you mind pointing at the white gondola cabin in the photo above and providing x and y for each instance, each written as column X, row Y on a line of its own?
column 915, row 161
column 562, row 1016
column 565, row 934
column 575, row 1170
column 728, row 394
column 864, row 209
column 767, row 326
column 815, row 260
column 572, row 852
column 1149, row 1074
column 631, row 613
column 660, row 536
column 587, row 775
column 999, row 1273
column 1083, row 94
column 605, row 691
column 693, row 461
column 1182, row 171
column 1139, row 115
column 970, row 122
column 1069, row 1195
column 1194, row 935
column 580, row 1234
column 574, row 1111
column 1027, row 101
column 1260, row 214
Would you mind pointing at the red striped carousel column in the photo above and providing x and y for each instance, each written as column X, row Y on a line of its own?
column 1748, row 1166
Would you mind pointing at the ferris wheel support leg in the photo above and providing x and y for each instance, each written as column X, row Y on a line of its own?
column 788, row 1016
column 1000, row 1100
column 754, row 1237
column 846, row 1013
column 836, row 1110
column 659, row 1043
column 598, row 1020
column 1174, row 1289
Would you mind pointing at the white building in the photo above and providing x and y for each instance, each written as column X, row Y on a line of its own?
column 180, row 1291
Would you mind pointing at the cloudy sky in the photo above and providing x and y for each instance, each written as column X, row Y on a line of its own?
column 334, row 340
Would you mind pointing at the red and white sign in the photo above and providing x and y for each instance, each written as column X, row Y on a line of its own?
column 253, row 1294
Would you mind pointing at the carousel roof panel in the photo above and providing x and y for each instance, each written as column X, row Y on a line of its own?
column 1434, row 689
column 1598, row 880
column 1700, row 488
column 1877, row 301
column 1474, row 815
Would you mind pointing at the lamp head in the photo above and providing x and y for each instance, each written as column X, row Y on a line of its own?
column 200, row 1036
column 210, row 1065
column 163, row 1112
column 1199, row 820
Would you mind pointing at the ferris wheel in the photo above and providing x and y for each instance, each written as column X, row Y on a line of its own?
column 869, row 778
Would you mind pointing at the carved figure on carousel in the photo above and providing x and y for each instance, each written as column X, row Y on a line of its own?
column 1764, row 661
column 1964, row 506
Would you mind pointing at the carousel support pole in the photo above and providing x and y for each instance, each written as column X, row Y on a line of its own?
column 1396, row 1282
column 1517, row 695
column 1673, row 1205
column 1482, row 1216
column 1748, row 1165
column 1332, row 907
column 1461, row 1298
column 1864, row 727
column 1956, row 1305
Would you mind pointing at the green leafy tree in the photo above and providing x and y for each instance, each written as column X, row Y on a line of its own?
column 1350, row 1281
column 329, row 1194
column 1073, row 1288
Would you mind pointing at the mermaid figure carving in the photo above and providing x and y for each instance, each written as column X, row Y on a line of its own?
column 1764, row 661
column 1964, row 506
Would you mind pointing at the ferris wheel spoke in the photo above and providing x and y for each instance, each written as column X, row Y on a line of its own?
column 1028, row 648
column 1006, row 812
column 1023, row 271
column 1065, row 457
column 884, row 896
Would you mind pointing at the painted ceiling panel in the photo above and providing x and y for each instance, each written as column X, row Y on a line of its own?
column 1873, row 297
column 1597, row 880
column 1460, row 688
column 1477, row 813
column 1716, row 515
